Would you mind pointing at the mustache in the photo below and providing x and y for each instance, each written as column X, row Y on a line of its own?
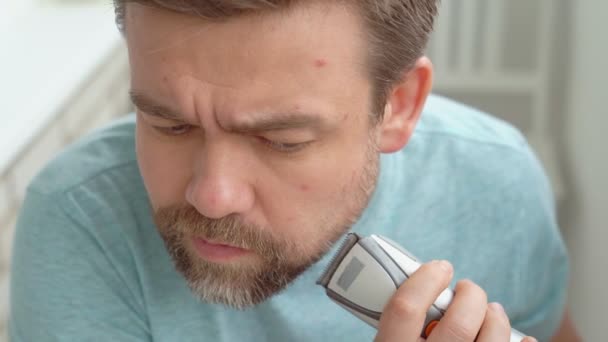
column 184, row 220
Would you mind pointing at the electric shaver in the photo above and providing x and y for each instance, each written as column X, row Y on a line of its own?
column 364, row 274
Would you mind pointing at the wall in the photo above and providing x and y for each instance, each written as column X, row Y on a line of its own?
column 586, row 214
column 98, row 98
column 578, row 127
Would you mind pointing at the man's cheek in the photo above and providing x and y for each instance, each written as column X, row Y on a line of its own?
column 165, row 178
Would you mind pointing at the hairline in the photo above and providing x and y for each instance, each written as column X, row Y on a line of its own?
column 380, row 89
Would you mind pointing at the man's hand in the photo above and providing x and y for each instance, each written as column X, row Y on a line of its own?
column 468, row 318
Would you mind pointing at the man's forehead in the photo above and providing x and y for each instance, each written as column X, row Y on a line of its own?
column 322, row 26
column 239, row 67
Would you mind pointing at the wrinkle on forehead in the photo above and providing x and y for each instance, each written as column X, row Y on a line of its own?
column 190, row 26
column 198, row 82
column 185, row 36
column 248, row 64
column 172, row 30
column 198, row 97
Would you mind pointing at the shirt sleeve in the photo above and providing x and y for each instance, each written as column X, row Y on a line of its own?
column 64, row 286
column 541, row 255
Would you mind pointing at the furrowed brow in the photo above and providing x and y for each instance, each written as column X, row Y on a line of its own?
column 150, row 107
column 278, row 122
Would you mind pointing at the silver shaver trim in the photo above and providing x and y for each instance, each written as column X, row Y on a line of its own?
column 392, row 268
column 351, row 271
column 358, row 308
column 349, row 242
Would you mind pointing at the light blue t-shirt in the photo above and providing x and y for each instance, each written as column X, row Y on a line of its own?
column 89, row 265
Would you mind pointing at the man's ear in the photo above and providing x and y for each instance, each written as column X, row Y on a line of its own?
column 404, row 106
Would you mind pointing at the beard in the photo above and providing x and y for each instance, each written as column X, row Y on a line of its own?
column 277, row 261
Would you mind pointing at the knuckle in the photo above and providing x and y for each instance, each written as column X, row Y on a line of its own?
column 469, row 286
column 494, row 312
column 461, row 332
column 436, row 265
column 466, row 284
column 402, row 307
column 496, row 320
column 426, row 268
column 435, row 271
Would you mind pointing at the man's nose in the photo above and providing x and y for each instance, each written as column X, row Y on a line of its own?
column 221, row 184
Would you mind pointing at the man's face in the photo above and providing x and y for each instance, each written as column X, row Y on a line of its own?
column 254, row 141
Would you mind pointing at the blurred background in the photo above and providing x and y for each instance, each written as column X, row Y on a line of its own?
column 539, row 64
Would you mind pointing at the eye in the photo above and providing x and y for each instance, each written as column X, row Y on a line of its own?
column 174, row 130
column 283, row 146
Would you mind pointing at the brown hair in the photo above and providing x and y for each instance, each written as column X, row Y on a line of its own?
column 398, row 30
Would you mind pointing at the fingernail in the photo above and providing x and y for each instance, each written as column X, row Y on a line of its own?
column 446, row 266
column 497, row 307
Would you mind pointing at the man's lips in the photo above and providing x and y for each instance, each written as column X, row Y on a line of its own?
column 217, row 252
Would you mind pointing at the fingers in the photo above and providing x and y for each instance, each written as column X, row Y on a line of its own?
column 529, row 339
column 403, row 317
column 496, row 326
column 465, row 315
column 468, row 318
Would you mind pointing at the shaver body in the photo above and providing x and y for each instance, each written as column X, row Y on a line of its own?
column 366, row 272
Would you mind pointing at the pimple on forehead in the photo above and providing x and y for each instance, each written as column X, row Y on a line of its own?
column 320, row 62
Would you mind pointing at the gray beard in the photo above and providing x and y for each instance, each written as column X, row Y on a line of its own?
column 241, row 286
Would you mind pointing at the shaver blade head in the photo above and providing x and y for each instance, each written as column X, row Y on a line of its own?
column 350, row 240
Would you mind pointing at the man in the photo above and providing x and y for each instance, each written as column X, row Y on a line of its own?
column 256, row 146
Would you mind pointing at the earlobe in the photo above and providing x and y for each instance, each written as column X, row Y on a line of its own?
column 404, row 106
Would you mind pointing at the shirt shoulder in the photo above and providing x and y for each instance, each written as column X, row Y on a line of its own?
column 85, row 219
column 455, row 121
column 103, row 150
column 468, row 188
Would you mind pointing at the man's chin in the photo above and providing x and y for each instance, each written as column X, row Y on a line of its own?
column 239, row 298
column 233, row 298
column 239, row 284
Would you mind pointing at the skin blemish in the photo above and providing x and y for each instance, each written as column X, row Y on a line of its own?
column 343, row 117
column 304, row 187
column 320, row 63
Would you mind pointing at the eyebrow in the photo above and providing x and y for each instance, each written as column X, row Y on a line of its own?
column 263, row 123
column 151, row 107
column 276, row 122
